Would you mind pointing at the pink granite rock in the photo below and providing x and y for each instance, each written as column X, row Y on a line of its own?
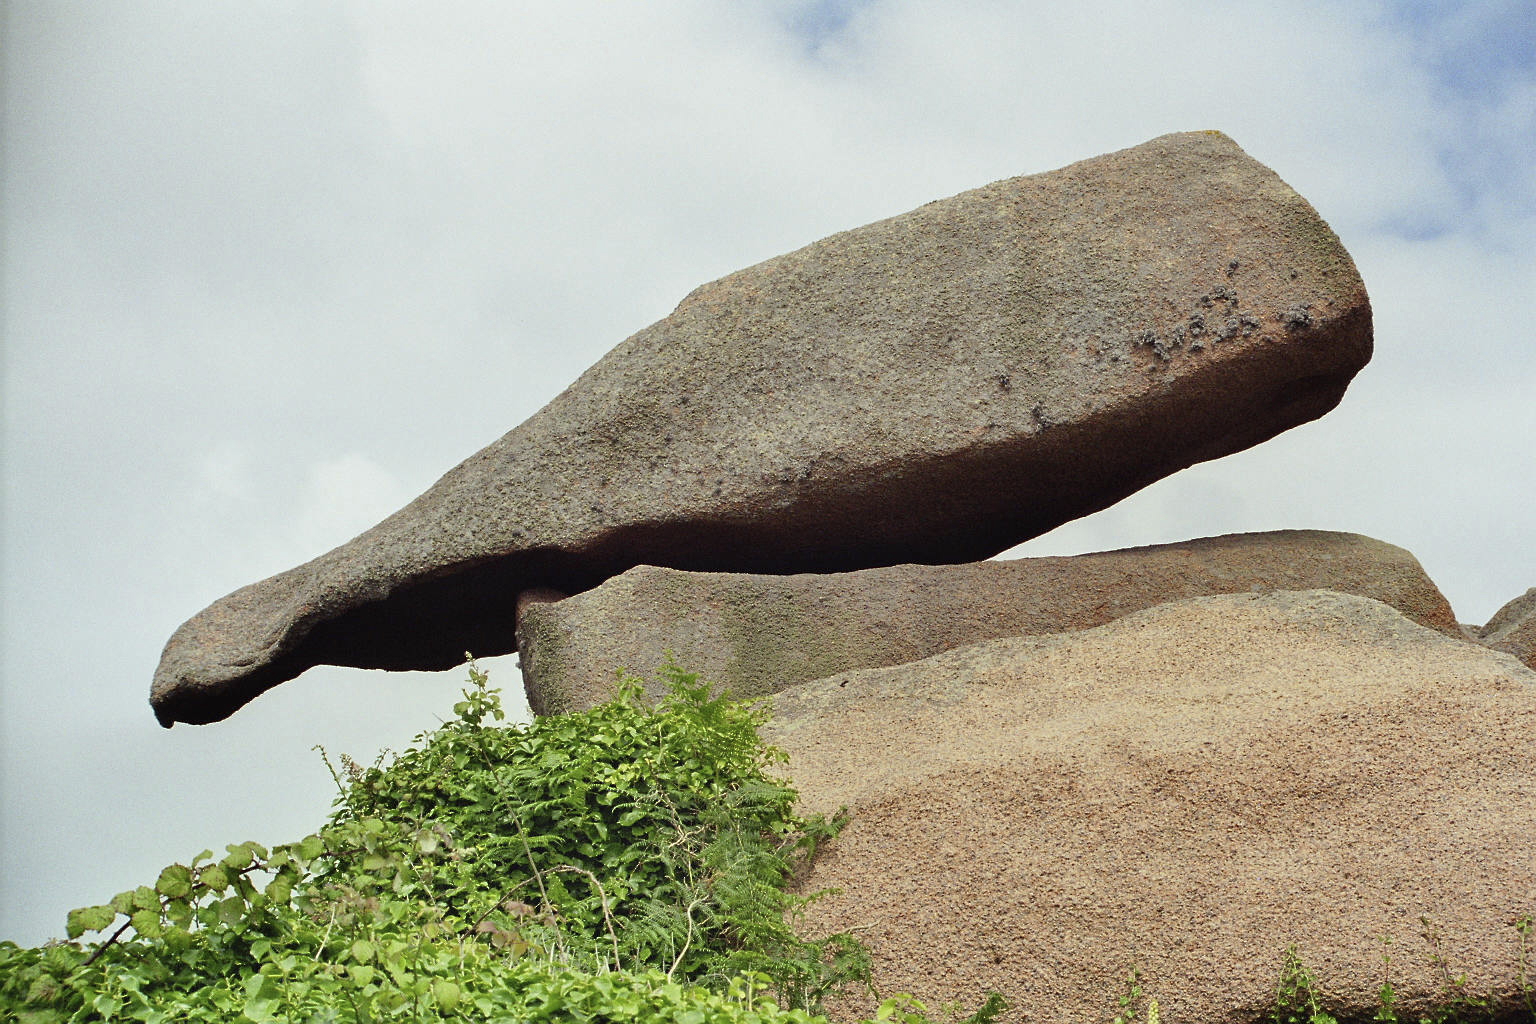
column 1188, row 790
column 1513, row 628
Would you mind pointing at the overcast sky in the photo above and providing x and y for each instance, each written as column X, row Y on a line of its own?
column 271, row 269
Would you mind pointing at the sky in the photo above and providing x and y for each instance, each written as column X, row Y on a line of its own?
column 270, row 269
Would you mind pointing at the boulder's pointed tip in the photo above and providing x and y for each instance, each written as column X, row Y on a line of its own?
column 161, row 704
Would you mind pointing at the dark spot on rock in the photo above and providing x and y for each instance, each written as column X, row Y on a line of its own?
column 1232, row 268
column 1298, row 318
column 1156, row 344
column 1004, row 382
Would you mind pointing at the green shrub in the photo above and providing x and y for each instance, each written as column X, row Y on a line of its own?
column 622, row 863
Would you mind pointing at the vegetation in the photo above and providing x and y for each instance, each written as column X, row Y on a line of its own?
column 1301, row 999
column 625, row 863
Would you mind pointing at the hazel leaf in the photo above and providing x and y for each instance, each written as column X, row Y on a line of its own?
column 147, row 924
column 90, row 919
column 215, row 877
column 174, row 882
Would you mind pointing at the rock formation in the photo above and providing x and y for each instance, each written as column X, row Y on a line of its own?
column 1513, row 628
column 1189, row 789
column 930, row 388
column 759, row 634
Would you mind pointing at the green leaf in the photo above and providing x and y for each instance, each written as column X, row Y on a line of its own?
column 239, row 857
column 362, row 951
column 360, row 973
column 231, row 911
column 280, row 889
column 145, row 898
column 89, row 919
column 446, row 993
column 215, row 877
column 179, row 911
column 147, row 923
column 123, row 902
column 175, row 881
column 262, row 997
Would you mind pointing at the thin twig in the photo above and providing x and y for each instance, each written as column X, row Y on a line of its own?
column 103, row 947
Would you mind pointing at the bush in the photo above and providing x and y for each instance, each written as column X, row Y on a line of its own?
column 626, row 862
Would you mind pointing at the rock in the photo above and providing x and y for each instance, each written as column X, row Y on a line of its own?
column 930, row 388
column 1513, row 628
column 759, row 634
column 1190, row 790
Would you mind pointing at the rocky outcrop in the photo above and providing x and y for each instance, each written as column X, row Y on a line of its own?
column 759, row 634
column 1513, row 628
column 1189, row 790
column 930, row 388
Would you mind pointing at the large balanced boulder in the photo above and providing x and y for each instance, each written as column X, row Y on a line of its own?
column 1189, row 791
column 1513, row 628
column 758, row 634
column 931, row 388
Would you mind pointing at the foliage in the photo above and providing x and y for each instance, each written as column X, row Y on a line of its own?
column 1129, row 997
column 1296, row 993
column 622, row 863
